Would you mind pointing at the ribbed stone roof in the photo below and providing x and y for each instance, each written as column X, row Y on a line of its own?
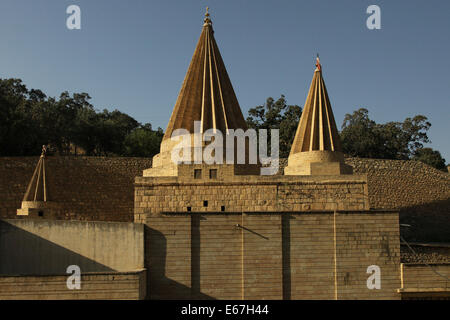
column 37, row 188
column 317, row 128
column 206, row 94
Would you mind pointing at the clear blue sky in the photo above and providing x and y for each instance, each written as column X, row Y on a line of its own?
column 132, row 55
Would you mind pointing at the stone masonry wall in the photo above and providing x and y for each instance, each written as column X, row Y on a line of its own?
column 265, row 238
column 420, row 192
column 93, row 188
column 104, row 286
column 425, row 281
column 272, row 256
column 86, row 188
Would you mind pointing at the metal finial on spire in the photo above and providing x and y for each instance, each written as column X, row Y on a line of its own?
column 207, row 19
column 318, row 65
column 44, row 151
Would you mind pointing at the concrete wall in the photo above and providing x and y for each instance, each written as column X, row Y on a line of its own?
column 112, row 285
column 48, row 247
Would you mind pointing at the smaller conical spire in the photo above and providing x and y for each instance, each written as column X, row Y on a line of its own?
column 37, row 188
column 317, row 147
column 317, row 128
column 36, row 202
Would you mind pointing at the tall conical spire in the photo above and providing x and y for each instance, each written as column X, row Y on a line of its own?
column 317, row 139
column 206, row 94
column 206, row 101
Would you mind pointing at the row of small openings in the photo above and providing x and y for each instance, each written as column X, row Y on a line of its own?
column 198, row 173
column 205, row 204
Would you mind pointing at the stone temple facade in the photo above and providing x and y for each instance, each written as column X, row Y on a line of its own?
column 322, row 229
column 224, row 231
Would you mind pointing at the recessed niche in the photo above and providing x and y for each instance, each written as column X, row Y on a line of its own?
column 197, row 173
column 205, row 203
column 213, row 173
column 189, row 209
column 222, row 208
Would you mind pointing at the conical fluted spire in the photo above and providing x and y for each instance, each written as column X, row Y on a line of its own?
column 316, row 149
column 37, row 188
column 206, row 94
column 317, row 128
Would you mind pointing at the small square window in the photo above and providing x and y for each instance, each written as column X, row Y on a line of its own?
column 213, row 173
column 189, row 209
column 205, row 203
column 222, row 208
column 197, row 173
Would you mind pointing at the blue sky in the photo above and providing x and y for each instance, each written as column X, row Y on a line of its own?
column 132, row 55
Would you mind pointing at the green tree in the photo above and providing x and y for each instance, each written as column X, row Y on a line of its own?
column 19, row 135
column 112, row 129
column 30, row 119
column 363, row 137
column 143, row 141
column 360, row 136
column 430, row 157
column 276, row 115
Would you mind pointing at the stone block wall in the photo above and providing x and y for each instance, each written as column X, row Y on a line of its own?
column 95, row 188
column 249, row 194
column 265, row 238
column 421, row 194
column 425, row 281
column 264, row 256
column 104, row 286
column 84, row 188
column 418, row 191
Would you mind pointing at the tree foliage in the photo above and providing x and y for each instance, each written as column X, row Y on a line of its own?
column 143, row 141
column 30, row 119
column 276, row 115
column 360, row 136
column 363, row 137
column 430, row 157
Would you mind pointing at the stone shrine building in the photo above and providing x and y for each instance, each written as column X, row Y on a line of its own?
column 224, row 232
column 325, row 227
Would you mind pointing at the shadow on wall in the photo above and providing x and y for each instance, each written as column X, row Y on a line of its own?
column 24, row 253
column 161, row 287
column 430, row 222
